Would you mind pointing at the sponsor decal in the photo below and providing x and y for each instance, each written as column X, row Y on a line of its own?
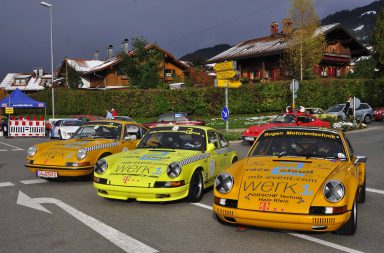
column 155, row 156
column 212, row 167
column 101, row 146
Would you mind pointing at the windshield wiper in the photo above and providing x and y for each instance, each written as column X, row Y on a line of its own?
column 284, row 153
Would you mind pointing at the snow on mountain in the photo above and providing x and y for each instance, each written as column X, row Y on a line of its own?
column 359, row 28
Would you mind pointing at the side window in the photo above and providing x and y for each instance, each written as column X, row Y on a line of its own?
column 223, row 142
column 212, row 138
column 303, row 119
column 132, row 130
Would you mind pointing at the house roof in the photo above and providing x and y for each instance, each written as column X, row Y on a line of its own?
column 275, row 44
column 34, row 83
column 81, row 65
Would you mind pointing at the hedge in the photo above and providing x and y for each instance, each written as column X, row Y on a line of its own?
column 248, row 99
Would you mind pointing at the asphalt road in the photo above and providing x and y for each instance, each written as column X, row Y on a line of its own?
column 68, row 216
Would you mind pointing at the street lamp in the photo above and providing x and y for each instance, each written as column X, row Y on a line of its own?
column 53, row 92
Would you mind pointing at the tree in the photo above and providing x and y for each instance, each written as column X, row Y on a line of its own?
column 364, row 68
column 72, row 78
column 142, row 65
column 304, row 44
column 378, row 41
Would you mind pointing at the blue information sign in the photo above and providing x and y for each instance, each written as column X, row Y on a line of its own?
column 225, row 113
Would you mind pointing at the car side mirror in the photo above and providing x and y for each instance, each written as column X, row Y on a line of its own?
column 210, row 147
column 130, row 138
column 360, row 159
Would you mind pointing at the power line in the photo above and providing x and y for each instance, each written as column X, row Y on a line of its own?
column 252, row 12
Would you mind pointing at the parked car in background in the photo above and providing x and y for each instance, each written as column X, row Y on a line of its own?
column 364, row 113
column 287, row 119
column 294, row 178
column 87, row 118
column 320, row 113
column 378, row 114
column 177, row 118
column 78, row 155
column 123, row 118
column 65, row 128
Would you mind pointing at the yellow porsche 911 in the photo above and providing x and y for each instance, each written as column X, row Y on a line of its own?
column 78, row 155
column 169, row 163
column 305, row 179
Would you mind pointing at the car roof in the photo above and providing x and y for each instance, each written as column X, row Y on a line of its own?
column 206, row 128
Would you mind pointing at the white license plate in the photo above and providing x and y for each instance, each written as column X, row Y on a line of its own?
column 46, row 174
column 247, row 138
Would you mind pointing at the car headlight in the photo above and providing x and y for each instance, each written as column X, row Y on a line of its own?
column 101, row 166
column 174, row 170
column 31, row 151
column 334, row 191
column 81, row 154
column 224, row 183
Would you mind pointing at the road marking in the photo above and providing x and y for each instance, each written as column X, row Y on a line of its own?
column 374, row 190
column 15, row 148
column 34, row 181
column 329, row 244
column 125, row 242
column 306, row 237
column 3, row 150
column 5, row 184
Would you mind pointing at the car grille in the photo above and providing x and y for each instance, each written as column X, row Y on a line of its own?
column 224, row 212
column 323, row 220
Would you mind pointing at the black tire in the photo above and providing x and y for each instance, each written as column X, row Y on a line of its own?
column 349, row 228
column 367, row 119
column 235, row 159
column 362, row 192
column 60, row 136
column 196, row 187
column 250, row 142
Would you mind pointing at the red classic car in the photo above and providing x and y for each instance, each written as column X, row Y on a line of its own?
column 177, row 118
column 287, row 119
column 378, row 114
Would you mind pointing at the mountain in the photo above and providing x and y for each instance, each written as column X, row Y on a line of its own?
column 200, row 56
column 360, row 22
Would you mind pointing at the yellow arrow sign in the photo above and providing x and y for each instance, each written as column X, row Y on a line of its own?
column 222, row 66
column 226, row 74
column 9, row 110
column 222, row 83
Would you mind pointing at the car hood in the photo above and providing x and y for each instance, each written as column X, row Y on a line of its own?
column 267, row 125
column 60, row 152
column 276, row 185
column 143, row 167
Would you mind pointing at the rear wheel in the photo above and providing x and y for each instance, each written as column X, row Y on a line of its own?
column 362, row 192
column 196, row 187
column 367, row 119
column 349, row 228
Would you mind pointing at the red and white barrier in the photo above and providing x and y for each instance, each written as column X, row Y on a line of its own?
column 26, row 128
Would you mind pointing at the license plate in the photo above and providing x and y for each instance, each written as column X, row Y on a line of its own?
column 46, row 174
column 247, row 138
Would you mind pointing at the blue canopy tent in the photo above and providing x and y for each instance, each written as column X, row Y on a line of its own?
column 18, row 99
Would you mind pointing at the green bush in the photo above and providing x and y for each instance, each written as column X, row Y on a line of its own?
column 250, row 98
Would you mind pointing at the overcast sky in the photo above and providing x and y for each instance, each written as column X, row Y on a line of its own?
column 81, row 27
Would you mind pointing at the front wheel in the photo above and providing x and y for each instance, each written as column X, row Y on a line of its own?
column 367, row 119
column 349, row 228
column 196, row 187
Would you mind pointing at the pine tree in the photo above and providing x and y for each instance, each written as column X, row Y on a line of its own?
column 304, row 46
column 378, row 40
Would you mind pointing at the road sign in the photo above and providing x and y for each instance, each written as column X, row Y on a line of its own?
column 227, row 74
column 294, row 86
column 225, row 113
column 9, row 110
column 222, row 66
column 223, row 83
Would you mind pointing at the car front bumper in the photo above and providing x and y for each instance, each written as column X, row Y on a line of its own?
column 61, row 171
column 141, row 193
column 300, row 222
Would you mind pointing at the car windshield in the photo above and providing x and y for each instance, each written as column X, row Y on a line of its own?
column 286, row 118
column 105, row 130
column 187, row 138
column 124, row 118
column 336, row 108
column 316, row 144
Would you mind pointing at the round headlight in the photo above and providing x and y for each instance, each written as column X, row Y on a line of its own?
column 174, row 170
column 224, row 183
column 31, row 151
column 334, row 191
column 81, row 154
column 101, row 166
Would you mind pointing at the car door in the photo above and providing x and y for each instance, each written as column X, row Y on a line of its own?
column 219, row 157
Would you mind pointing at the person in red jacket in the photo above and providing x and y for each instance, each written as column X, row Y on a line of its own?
column 114, row 112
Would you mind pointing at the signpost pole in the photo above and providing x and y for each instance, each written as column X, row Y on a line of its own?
column 226, row 105
column 293, row 94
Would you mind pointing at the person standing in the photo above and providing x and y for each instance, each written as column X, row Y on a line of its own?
column 114, row 112
column 109, row 115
